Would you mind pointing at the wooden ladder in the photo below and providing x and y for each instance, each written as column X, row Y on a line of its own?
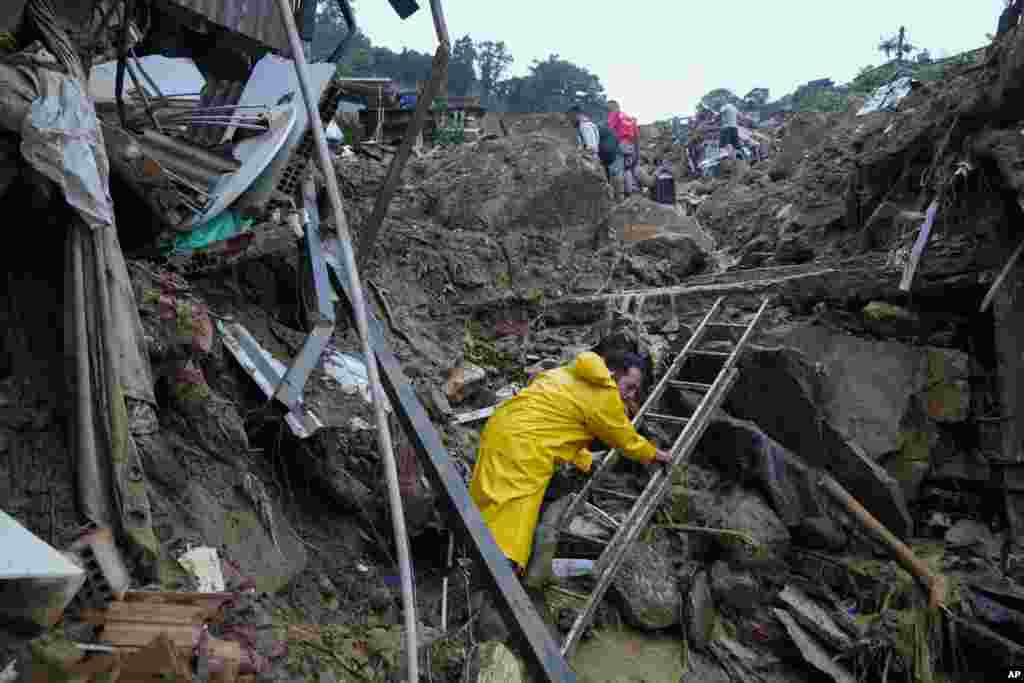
column 660, row 482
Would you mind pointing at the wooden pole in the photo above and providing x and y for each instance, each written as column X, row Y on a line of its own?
column 934, row 584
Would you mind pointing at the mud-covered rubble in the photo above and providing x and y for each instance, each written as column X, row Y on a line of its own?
column 507, row 255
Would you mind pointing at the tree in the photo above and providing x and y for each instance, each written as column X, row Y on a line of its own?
column 462, row 67
column 717, row 98
column 554, row 85
column 898, row 44
column 330, row 30
column 758, row 97
column 493, row 59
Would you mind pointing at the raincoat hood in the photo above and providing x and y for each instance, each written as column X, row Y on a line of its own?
column 590, row 367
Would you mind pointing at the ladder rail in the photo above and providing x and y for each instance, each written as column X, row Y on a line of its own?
column 659, row 389
column 659, row 484
column 639, row 515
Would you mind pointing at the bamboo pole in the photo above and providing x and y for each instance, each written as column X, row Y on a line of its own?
column 934, row 584
column 362, row 323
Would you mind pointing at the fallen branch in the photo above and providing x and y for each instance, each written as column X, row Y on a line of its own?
column 1007, row 269
column 934, row 584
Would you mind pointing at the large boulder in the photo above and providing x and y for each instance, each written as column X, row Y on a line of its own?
column 648, row 588
column 784, row 393
column 530, row 181
column 495, row 663
column 638, row 219
column 737, row 509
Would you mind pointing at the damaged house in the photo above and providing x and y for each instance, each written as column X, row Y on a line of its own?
column 189, row 461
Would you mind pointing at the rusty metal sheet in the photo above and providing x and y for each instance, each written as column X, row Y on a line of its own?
column 257, row 19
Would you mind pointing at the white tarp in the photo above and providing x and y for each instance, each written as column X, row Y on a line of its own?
column 178, row 76
column 26, row 556
column 887, row 96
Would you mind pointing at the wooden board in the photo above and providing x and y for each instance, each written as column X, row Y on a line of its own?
column 147, row 613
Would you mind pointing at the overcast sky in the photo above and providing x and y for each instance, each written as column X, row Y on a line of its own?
column 658, row 57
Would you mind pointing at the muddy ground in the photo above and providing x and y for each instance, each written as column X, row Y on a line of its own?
column 507, row 252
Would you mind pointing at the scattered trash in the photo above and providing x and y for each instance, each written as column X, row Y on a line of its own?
column 463, row 381
column 107, row 576
column 570, row 568
column 217, row 229
column 886, row 97
column 37, row 582
column 267, row 372
column 204, row 564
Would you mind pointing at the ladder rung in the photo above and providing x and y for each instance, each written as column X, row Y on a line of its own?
column 695, row 386
column 616, row 494
column 736, row 326
column 717, row 354
column 667, row 418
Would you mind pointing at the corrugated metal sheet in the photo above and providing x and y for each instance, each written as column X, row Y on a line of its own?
column 257, row 19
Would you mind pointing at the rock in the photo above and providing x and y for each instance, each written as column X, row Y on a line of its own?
column 968, row 534
column 889, row 320
column 820, row 533
column 737, row 589
column 867, row 384
column 699, row 608
column 781, row 391
column 750, row 665
column 947, row 391
column 682, row 253
column 812, row 651
column 745, row 511
column 638, row 219
column 750, row 455
column 239, row 530
column 495, row 663
column 648, row 589
column 515, row 182
column 793, row 249
column 815, row 618
column 703, row 668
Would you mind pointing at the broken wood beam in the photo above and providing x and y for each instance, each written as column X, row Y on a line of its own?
column 934, row 584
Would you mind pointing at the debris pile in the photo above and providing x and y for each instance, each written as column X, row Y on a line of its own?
column 852, row 511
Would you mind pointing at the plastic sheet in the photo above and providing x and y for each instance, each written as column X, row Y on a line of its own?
column 887, row 96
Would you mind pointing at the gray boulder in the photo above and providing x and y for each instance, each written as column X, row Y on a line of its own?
column 648, row 589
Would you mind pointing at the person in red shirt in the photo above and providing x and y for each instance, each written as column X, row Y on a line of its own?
column 628, row 132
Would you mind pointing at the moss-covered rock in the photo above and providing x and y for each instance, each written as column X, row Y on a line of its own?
column 947, row 396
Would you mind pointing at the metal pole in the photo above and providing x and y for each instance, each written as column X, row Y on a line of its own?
column 359, row 311
column 444, row 588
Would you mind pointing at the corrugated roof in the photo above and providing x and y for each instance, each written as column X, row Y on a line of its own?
column 257, row 19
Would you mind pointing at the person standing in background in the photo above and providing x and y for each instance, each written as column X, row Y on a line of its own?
column 628, row 133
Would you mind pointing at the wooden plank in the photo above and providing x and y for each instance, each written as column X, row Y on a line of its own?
column 179, row 598
column 147, row 613
column 539, row 647
column 127, row 634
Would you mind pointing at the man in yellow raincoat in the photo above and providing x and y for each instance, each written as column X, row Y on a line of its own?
column 553, row 421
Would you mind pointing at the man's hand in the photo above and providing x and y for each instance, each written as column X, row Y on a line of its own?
column 663, row 457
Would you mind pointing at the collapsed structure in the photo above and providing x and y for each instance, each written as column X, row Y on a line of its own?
column 889, row 358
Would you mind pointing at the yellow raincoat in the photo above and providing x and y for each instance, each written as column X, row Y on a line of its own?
column 552, row 420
